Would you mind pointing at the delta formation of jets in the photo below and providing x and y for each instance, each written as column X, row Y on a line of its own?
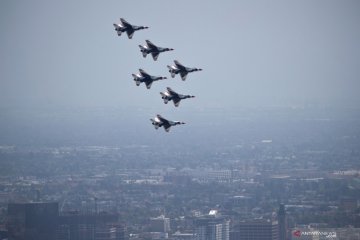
column 147, row 79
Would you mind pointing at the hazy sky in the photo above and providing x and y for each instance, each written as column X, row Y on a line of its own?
column 254, row 53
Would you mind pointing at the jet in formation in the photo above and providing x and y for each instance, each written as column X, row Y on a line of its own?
column 178, row 68
column 170, row 94
column 159, row 121
column 150, row 48
column 125, row 26
column 146, row 78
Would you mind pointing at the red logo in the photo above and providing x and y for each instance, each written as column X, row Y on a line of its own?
column 297, row 233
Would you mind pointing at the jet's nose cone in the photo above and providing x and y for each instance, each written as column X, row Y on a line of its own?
column 200, row 69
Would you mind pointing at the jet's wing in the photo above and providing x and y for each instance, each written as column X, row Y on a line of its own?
column 172, row 92
column 167, row 127
column 155, row 55
column 179, row 65
column 150, row 44
column 183, row 75
column 176, row 101
column 130, row 32
column 148, row 84
column 145, row 74
column 163, row 120
column 125, row 23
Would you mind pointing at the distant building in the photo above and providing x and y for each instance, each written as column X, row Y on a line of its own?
column 154, row 236
column 41, row 221
column 241, row 202
column 32, row 221
column 348, row 204
column 3, row 232
column 233, row 235
column 177, row 178
column 90, row 232
column 160, row 224
column 90, row 227
column 216, row 176
column 182, row 236
column 212, row 227
column 110, row 232
column 255, row 230
column 282, row 222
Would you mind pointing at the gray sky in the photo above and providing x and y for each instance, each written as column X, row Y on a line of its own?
column 254, row 53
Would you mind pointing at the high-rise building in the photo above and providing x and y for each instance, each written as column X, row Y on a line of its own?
column 212, row 227
column 255, row 230
column 32, row 221
column 41, row 221
column 182, row 236
column 90, row 227
column 282, row 222
column 109, row 232
column 160, row 224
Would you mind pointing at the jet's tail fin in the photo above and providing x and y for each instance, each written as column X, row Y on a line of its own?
column 136, row 80
column 117, row 29
column 171, row 71
column 142, row 49
column 154, row 123
column 163, row 96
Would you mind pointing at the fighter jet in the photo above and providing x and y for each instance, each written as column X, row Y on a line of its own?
column 159, row 121
column 146, row 78
column 170, row 94
column 178, row 68
column 124, row 26
column 149, row 47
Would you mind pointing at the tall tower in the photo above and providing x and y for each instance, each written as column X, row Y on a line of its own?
column 282, row 222
column 212, row 227
column 32, row 221
column 160, row 224
column 255, row 230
